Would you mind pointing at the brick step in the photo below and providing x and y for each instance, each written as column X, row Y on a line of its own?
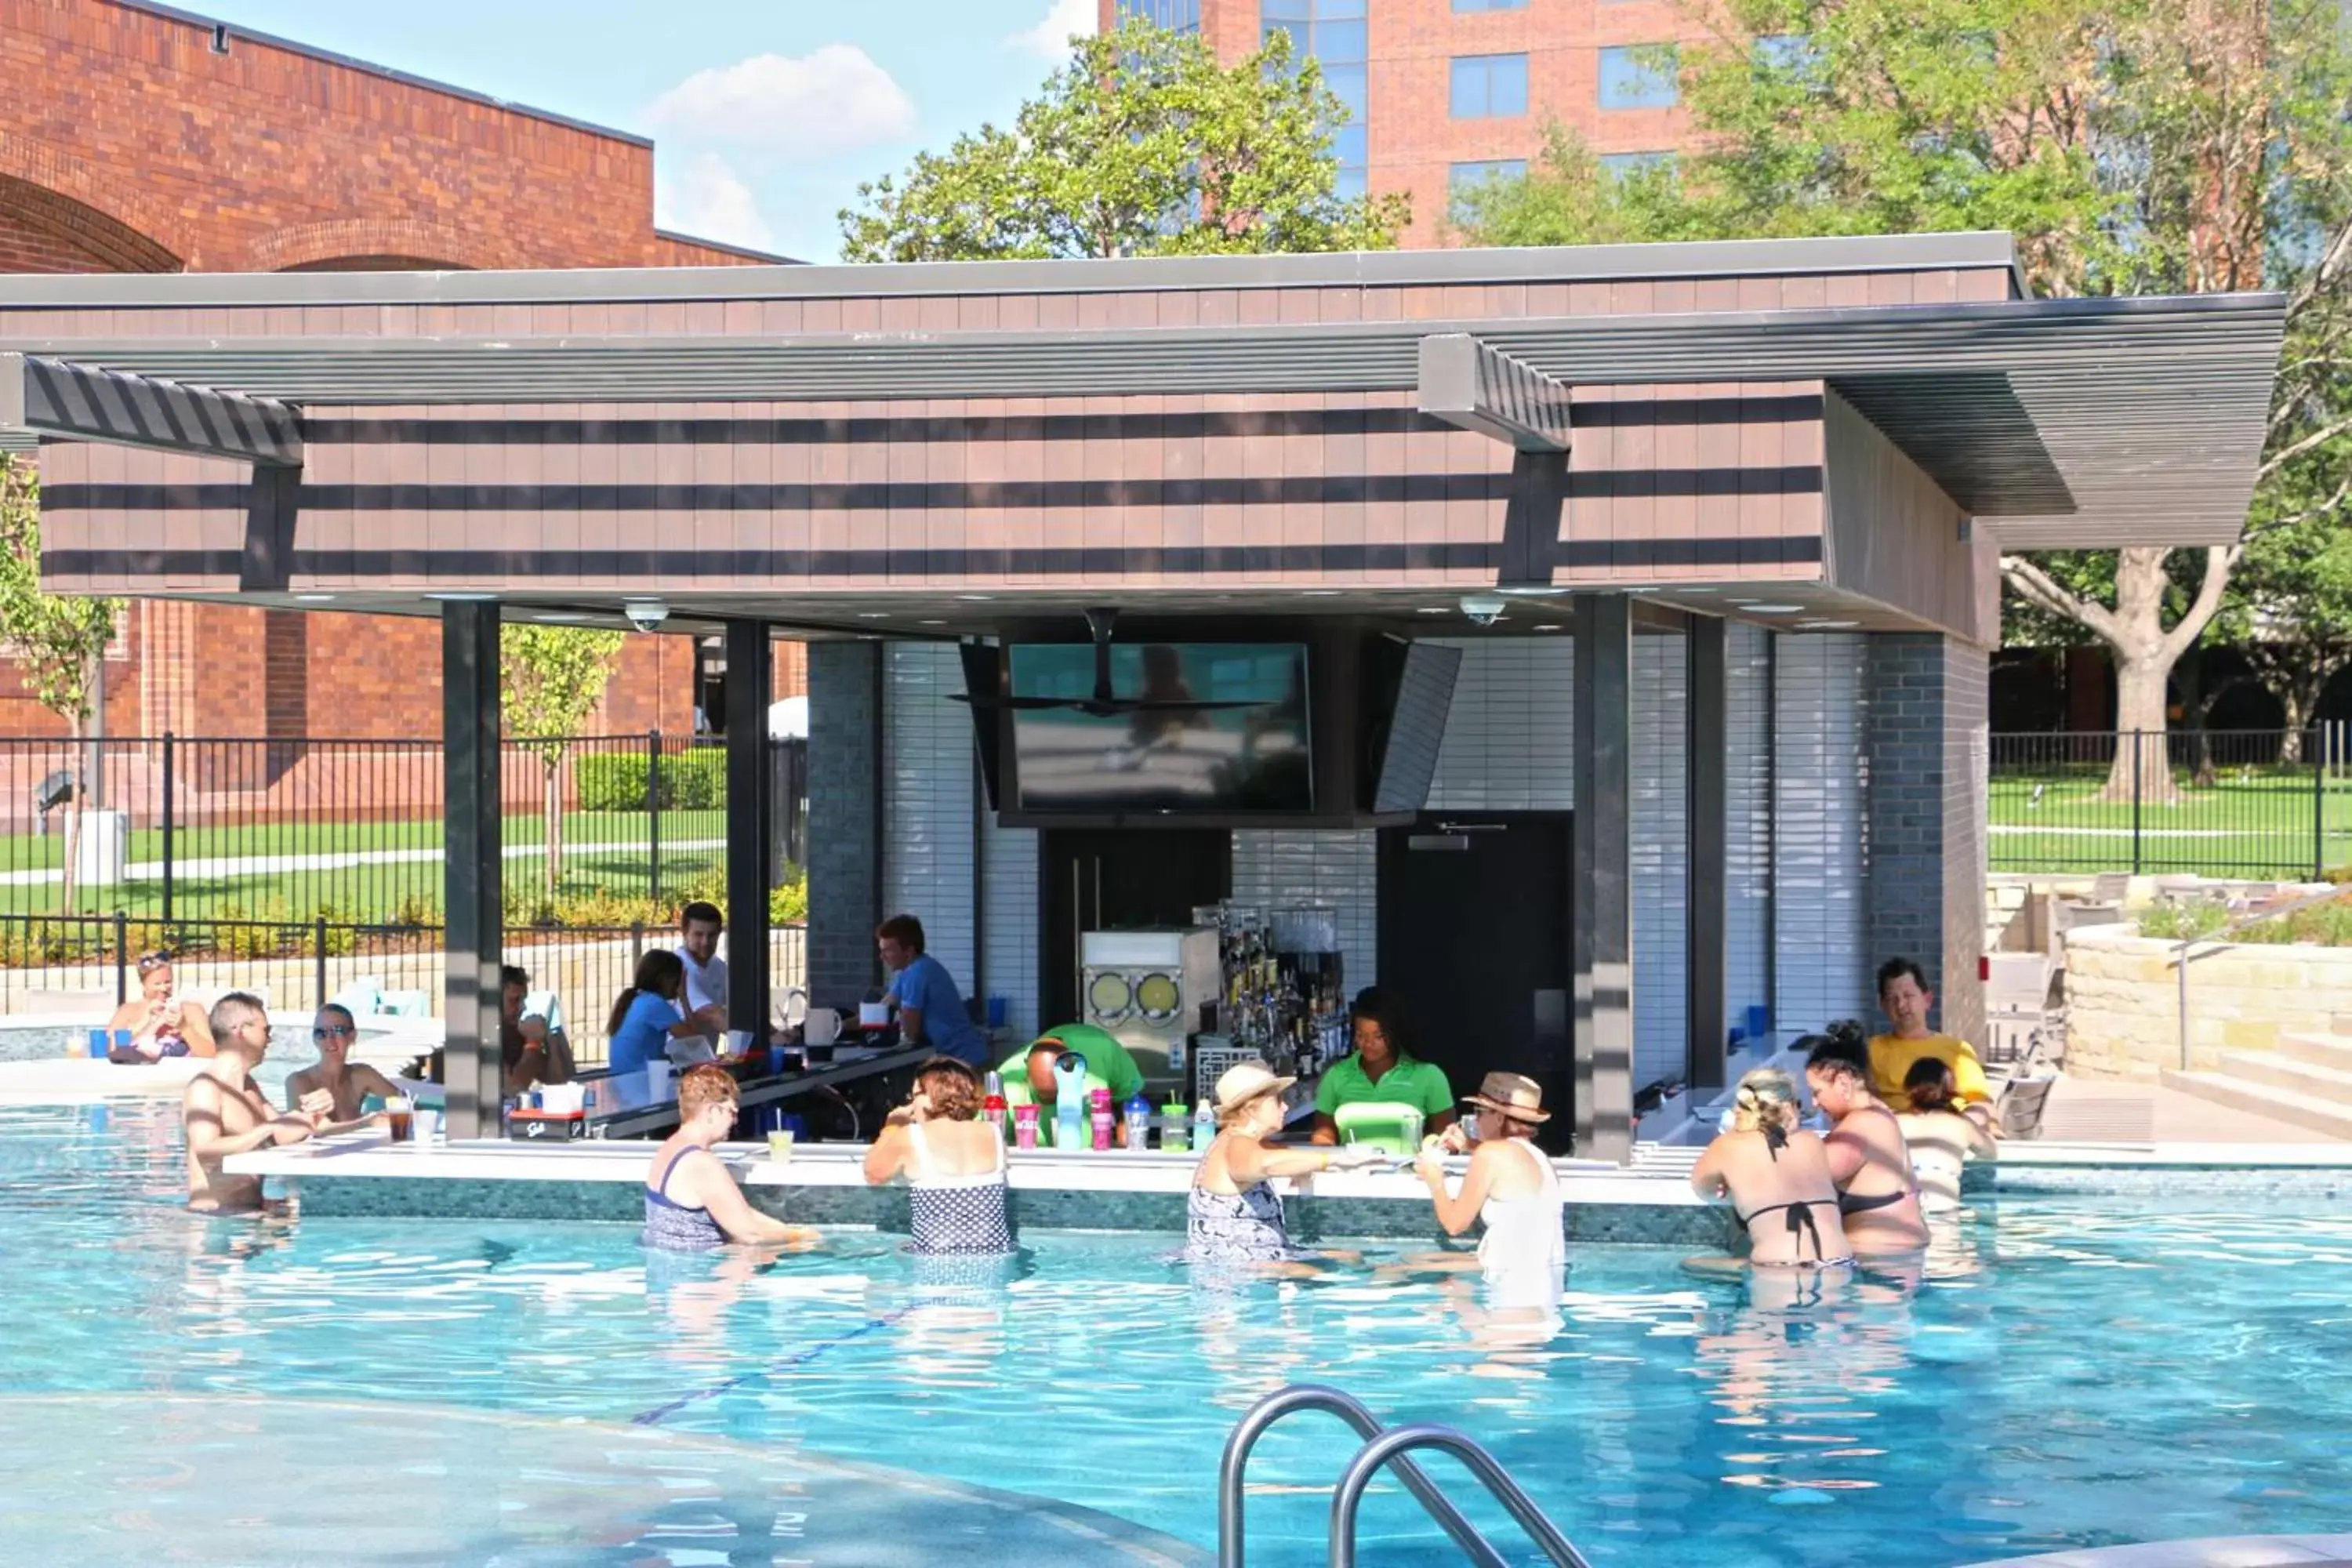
column 2262, row 1099
column 2320, row 1050
column 2276, row 1069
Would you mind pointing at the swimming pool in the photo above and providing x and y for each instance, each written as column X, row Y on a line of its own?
column 2071, row 1372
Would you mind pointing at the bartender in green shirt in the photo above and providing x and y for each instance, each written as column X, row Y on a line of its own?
column 1028, row 1074
column 1381, row 1069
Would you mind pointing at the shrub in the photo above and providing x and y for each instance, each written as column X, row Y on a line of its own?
column 615, row 781
column 788, row 901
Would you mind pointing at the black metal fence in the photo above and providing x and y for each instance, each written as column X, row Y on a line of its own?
column 2228, row 803
column 598, row 830
column 64, row 963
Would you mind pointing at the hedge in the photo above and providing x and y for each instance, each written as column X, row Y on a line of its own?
column 615, row 781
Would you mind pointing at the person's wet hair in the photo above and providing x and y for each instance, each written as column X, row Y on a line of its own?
column 1841, row 1050
column 1929, row 1085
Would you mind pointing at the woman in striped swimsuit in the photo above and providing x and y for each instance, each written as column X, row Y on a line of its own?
column 692, row 1202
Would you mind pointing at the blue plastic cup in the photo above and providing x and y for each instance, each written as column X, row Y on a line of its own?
column 122, row 1039
column 1000, row 1011
column 776, row 1061
column 98, row 1041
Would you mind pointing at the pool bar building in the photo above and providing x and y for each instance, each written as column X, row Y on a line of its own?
column 1618, row 616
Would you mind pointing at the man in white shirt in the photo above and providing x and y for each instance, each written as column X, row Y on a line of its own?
column 699, row 925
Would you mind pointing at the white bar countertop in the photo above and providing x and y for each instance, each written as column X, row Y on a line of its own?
column 367, row 1155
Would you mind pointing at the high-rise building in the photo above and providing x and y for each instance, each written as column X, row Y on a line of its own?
column 1445, row 93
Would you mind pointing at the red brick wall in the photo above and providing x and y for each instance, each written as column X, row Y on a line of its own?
column 128, row 145
column 1415, row 139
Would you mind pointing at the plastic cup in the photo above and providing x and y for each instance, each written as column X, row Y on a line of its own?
column 428, row 1124
column 780, row 1144
column 122, row 1038
column 98, row 1044
column 403, row 1115
column 776, row 1061
column 1024, row 1127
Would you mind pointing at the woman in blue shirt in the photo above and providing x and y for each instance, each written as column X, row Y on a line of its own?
column 647, row 1014
column 931, row 1012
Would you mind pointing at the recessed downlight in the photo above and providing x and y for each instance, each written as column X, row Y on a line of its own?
column 558, row 618
column 1551, row 627
column 1431, row 610
column 1773, row 609
column 1827, row 625
column 315, row 598
column 459, row 598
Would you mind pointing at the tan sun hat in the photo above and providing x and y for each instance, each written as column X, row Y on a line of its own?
column 1512, row 1094
column 1245, row 1081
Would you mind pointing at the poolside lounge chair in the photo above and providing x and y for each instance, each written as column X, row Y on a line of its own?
column 2017, row 1111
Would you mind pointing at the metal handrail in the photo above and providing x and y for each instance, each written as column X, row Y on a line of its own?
column 1390, row 1447
column 1232, row 1469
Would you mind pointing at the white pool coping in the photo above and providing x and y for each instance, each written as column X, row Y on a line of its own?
column 370, row 1155
column 2212, row 1552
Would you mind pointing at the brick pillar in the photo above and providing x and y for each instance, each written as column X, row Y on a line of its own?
column 845, row 827
column 1924, row 699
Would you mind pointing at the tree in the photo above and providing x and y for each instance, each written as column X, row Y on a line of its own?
column 550, row 678
column 2290, row 606
column 59, row 641
column 2130, row 145
column 1140, row 144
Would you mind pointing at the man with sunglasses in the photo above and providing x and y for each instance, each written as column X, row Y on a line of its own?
column 337, row 1085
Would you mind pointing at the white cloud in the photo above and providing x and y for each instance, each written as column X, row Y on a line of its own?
column 1051, row 38
column 710, row 200
column 833, row 99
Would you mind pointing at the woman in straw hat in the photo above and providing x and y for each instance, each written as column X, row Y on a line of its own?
column 1509, row 1184
column 1233, row 1213
column 1777, row 1178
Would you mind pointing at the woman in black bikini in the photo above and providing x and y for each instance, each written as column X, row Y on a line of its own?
column 1878, row 1197
column 1777, row 1178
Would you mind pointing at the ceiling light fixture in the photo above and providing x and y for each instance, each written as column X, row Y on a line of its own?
column 459, row 598
column 558, row 618
column 315, row 598
column 1827, row 625
column 1551, row 627
column 1773, row 609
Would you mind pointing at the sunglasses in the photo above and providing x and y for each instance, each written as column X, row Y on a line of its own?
column 332, row 1031
column 152, row 962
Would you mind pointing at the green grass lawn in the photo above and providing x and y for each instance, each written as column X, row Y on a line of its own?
column 2268, row 824
column 602, row 853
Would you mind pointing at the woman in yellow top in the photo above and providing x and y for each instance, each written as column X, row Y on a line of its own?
column 1903, row 994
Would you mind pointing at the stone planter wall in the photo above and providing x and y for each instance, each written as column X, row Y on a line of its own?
column 2123, row 1006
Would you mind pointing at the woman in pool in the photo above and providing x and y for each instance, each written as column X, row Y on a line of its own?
column 1941, row 1136
column 691, row 1201
column 1233, row 1213
column 953, row 1164
column 161, row 1022
column 1777, row 1178
column 1878, row 1197
column 1509, row 1185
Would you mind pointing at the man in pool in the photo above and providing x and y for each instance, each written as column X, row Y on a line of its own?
column 1904, row 996
column 226, row 1113
column 337, row 1085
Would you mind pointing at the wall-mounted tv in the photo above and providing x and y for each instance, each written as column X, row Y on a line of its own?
column 1148, row 751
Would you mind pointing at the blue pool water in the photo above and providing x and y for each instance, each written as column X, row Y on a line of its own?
column 2068, row 1372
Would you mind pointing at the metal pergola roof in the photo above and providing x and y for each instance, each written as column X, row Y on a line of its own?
column 2071, row 423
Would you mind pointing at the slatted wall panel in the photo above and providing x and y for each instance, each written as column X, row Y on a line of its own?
column 1818, row 853
column 1748, row 829
column 928, row 846
column 1661, row 857
column 1008, row 857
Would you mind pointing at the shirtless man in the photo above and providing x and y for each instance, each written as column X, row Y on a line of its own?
column 226, row 1113
column 337, row 1085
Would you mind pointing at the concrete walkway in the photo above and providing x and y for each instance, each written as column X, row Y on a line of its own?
column 2093, row 1110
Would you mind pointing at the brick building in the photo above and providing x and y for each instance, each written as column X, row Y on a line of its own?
column 138, row 138
column 1445, row 92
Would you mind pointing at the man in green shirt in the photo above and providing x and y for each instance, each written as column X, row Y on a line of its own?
column 1028, row 1074
column 1381, row 1070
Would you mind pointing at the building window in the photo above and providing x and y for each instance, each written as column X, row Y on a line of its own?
column 1462, row 177
column 1792, row 53
column 1490, row 5
column 1618, row 164
column 1176, row 16
column 1333, row 34
column 1639, row 77
column 1489, row 87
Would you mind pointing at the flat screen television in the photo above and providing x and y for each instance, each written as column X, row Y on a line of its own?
column 1254, row 756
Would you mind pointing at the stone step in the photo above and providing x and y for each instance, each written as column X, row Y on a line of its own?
column 2332, row 1084
column 2262, row 1099
column 2320, row 1050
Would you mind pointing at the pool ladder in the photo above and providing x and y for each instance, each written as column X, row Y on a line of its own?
column 1384, row 1447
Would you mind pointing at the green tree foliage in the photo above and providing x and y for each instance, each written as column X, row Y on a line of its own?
column 1140, row 144
column 2131, row 146
column 551, row 680
column 59, row 641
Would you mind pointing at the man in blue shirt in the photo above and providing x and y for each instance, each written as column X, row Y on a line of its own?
column 930, row 1011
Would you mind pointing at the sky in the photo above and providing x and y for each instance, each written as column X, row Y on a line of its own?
column 765, row 114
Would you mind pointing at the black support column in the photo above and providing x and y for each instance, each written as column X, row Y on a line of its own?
column 1602, row 945
column 1708, row 783
column 472, row 882
column 750, row 824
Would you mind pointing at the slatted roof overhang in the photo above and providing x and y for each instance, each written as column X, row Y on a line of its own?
column 2072, row 423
